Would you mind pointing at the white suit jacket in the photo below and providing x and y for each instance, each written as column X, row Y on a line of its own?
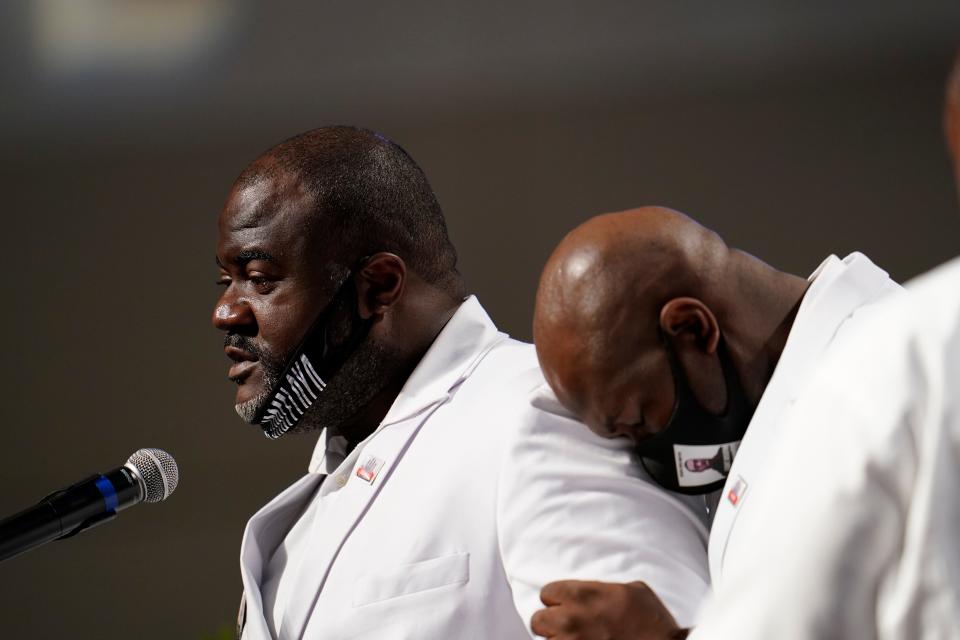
column 486, row 492
column 856, row 533
column 839, row 291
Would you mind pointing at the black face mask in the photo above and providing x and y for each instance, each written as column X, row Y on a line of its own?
column 694, row 451
column 312, row 365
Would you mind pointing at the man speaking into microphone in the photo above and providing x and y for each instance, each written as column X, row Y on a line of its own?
column 447, row 486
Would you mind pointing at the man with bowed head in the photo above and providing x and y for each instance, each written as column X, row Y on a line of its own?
column 447, row 486
column 650, row 328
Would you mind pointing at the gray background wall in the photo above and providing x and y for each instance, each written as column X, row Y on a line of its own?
column 795, row 130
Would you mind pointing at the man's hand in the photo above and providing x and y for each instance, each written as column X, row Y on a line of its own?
column 579, row 610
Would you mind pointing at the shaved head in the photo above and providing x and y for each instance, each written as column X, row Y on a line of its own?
column 359, row 187
column 620, row 284
column 647, row 251
column 609, row 277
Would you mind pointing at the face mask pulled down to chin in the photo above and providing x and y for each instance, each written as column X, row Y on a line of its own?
column 311, row 366
column 695, row 450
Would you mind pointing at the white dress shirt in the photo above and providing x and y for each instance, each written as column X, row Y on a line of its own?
column 277, row 585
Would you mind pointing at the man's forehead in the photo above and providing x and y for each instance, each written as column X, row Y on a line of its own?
column 269, row 216
column 592, row 388
column 265, row 200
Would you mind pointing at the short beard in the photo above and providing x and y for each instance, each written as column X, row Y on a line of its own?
column 249, row 409
column 365, row 373
column 271, row 368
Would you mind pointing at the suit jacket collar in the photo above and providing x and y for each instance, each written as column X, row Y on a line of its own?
column 329, row 452
column 264, row 532
column 468, row 334
column 837, row 288
column 448, row 361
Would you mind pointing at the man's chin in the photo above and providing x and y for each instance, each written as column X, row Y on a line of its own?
column 248, row 409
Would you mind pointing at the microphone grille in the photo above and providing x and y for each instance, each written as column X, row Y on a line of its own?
column 159, row 472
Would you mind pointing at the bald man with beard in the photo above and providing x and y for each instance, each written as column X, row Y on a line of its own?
column 845, row 504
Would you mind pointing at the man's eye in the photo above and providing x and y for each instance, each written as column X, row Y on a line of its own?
column 261, row 283
column 223, row 281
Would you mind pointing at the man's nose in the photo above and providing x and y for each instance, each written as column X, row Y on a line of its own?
column 232, row 314
column 628, row 422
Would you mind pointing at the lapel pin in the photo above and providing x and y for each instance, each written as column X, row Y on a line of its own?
column 369, row 469
column 735, row 495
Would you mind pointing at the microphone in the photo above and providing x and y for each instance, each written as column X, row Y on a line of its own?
column 150, row 475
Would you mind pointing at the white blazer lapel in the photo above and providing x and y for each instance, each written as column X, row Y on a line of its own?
column 468, row 337
column 264, row 532
column 363, row 484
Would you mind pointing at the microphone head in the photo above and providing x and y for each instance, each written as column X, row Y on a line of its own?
column 157, row 471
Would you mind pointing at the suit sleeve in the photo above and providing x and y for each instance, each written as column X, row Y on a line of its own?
column 572, row 505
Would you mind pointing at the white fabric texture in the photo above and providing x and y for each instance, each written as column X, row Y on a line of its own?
column 485, row 490
column 854, row 533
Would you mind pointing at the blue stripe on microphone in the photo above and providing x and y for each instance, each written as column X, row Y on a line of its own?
column 108, row 492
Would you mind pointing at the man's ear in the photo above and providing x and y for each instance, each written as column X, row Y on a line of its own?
column 951, row 110
column 692, row 319
column 380, row 283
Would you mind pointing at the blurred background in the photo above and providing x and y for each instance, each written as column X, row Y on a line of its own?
column 795, row 129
